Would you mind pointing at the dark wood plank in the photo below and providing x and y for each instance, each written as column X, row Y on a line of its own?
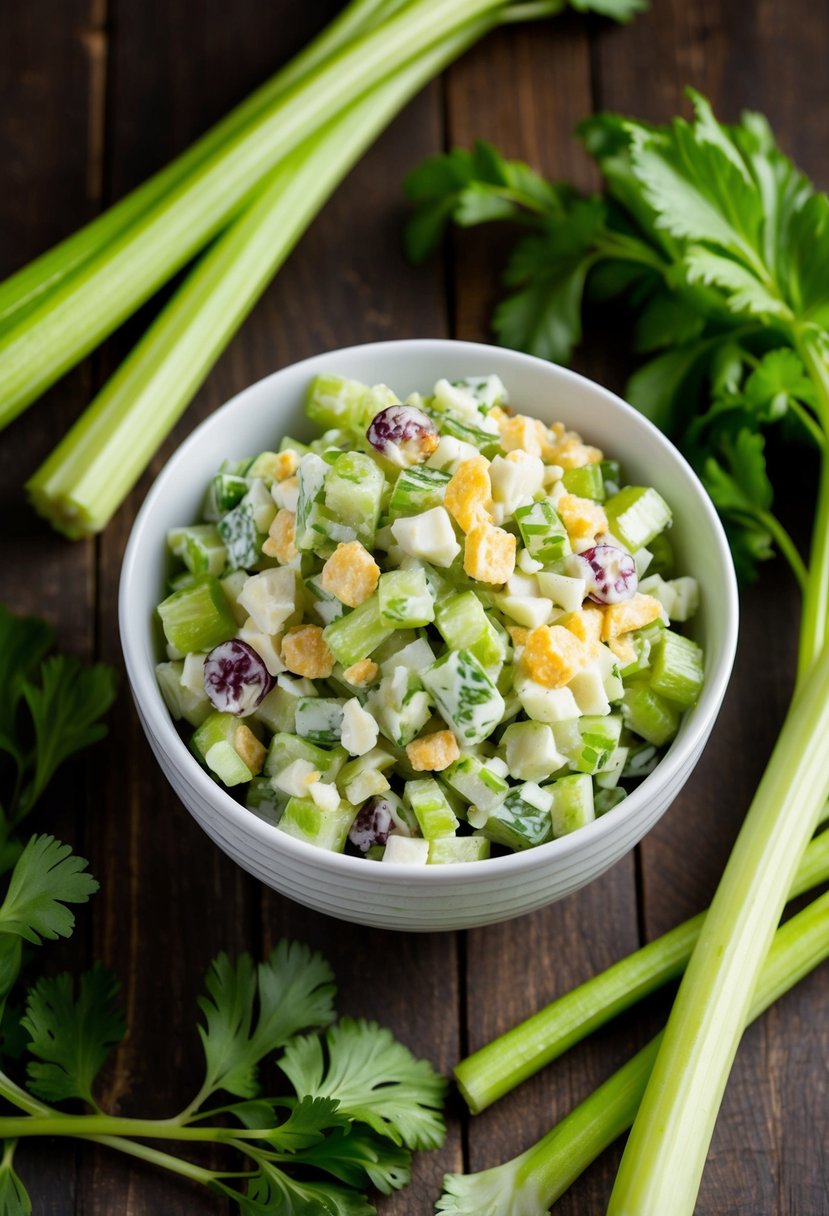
column 767, row 1154
column 50, row 121
column 515, row 968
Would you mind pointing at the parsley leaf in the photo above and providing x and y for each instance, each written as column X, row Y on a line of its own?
column 71, row 1036
column 305, row 1126
column 360, row 1158
column 65, row 709
column 24, row 641
column 14, row 1198
column 273, row 1193
column 47, row 876
column 375, row 1079
column 292, row 991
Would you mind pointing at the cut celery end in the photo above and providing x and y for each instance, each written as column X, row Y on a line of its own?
column 405, row 600
column 461, row 620
column 304, row 820
column 586, row 482
column 677, row 669
column 277, row 711
column 353, row 492
column 223, row 760
column 479, row 785
column 335, row 401
column 434, row 815
column 200, row 547
column 572, row 803
column 542, row 532
column 637, row 514
column 522, row 820
column 597, row 737
column 451, row 850
column 182, row 702
column 416, row 490
column 355, row 635
column 197, row 618
column 649, row 715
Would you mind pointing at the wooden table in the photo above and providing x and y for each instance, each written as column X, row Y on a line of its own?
column 96, row 94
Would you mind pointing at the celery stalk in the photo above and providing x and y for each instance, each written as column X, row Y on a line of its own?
column 21, row 290
column 530, row 1183
column 494, row 1070
column 73, row 318
column 87, row 477
column 665, row 1155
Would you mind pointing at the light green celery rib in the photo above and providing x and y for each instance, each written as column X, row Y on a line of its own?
column 496, row 1069
column 71, row 320
column 814, row 627
column 89, row 474
column 20, row 291
column 529, row 1184
column 665, row 1155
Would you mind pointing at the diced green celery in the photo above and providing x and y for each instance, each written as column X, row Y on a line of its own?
column 636, row 515
column 265, row 466
column 355, row 635
column 197, row 618
column 353, row 491
column 605, row 800
column 200, row 547
column 183, row 579
column 288, row 444
column 522, row 820
column 182, row 702
column 226, row 491
column 649, row 715
column 432, row 810
column 461, row 620
column 264, row 800
column 531, row 752
column 285, row 748
column 404, row 598
column 642, row 758
column 586, row 481
column 542, row 532
column 465, row 696
column 598, row 738
column 214, row 743
column 492, row 647
column 335, row 401
column 324, row 531
column 448, row 424
column 480, row 785
column 327, row 607
column 610, row 775
column 311, row 474
column 232, row 584
column 320, row 719
column 243, row 540
column 572, row 803
column 304, row 820
column 662, row 556
column 677, row 669
column 416, row 653
column 277, row 711
column 611, row 475
column 400, row 705
column 261, row 505
column 448, row 850
column 417, row 489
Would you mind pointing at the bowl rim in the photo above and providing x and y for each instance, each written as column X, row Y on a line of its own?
column 156, row 718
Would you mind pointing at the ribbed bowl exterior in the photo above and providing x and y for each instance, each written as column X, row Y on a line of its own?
column 435, row 897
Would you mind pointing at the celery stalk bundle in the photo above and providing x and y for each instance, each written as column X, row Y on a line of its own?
column 251, row 185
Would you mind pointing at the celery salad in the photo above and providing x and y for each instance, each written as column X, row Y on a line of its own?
column 441, row 630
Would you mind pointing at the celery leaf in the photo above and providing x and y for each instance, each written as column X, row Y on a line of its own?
column 47, row 876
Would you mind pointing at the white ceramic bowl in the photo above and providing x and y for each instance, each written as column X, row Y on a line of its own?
column 434, row 897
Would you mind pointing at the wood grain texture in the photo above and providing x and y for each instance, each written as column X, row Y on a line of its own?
column 93, row 97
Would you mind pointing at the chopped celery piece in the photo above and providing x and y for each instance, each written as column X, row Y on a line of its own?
column 465, row 695
column 595, row 738
column 285, row 748
column 320, row 719
column 523, row 819
column 377, row 760
column 400, row 705
column 572, row 803
column 461, row 620
column 218, row 742
column 586, row 481
column 200, row 547
column 356, row 634
column 492, row 647
column 242, row 539
column 481, row 785
column 605, row 800
column 636, row 515
column 277, row 711
column 264, row 800
column 197, row 618
column 182, row 702
column 649, row 715
column 434, row 815
column 335, row 401
column 225, row 763
column 642, row 758
column 449, row 850
column 662, row 556
column 404, row 598
column 417, row 489
column 676, row 669
column 449, row 424
column 303, row 819
column 353, row 491
column 542, row 532
column 264, row 466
